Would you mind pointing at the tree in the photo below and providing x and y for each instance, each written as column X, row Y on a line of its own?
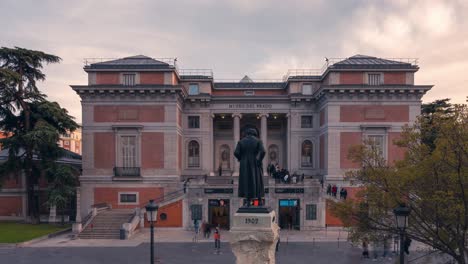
column 62, row 183
column 33, row 123
column 432, row 180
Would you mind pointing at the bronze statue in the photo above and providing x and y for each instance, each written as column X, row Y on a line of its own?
column 250, row 153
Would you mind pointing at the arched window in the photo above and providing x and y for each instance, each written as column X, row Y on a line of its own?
column 306, row 154
column 193, row 154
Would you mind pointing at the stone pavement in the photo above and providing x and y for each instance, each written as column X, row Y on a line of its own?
column 176, row 235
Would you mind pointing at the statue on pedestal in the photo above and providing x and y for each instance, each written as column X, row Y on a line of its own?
column 250, row 153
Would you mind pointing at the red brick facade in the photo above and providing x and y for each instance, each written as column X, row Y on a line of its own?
column 104, row 150
column 110, row 195
column 152, row 150
column 128, row 113
column 151, row 78
column 374, row 113
column 173, row 214
column 351, row 78
column 347, row 140
column 395, row 78
column 107, row 78
column 11, row 206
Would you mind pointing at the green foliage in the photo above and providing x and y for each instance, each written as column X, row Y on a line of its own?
column 32, row 123
column 62, row 183
column 432, row 180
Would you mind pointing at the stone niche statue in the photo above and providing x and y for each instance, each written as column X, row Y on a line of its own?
column 250, row 153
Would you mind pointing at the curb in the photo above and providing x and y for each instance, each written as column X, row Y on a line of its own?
column 39, row 239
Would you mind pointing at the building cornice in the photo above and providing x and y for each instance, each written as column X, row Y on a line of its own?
column 142, row 90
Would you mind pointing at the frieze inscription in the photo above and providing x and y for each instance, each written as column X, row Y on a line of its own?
column 254, row 106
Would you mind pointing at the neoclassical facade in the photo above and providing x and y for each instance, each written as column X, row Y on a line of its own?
column 150, row 128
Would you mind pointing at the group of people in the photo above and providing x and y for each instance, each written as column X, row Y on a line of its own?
column 333, row 191
column 283, row 175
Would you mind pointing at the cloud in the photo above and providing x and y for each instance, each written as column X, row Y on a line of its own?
column 259, row 38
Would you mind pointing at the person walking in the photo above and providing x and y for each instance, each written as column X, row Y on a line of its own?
column 217, row 239
column 329, row 189
column 365, row 249
column 334, row 189
column 345, row 194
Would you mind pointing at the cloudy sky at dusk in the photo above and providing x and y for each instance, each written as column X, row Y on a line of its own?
column 262, row 39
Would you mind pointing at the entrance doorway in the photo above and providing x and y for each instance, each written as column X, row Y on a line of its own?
column 289, row 217
column 218, row 213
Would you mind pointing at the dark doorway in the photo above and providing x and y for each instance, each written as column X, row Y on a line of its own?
column 218, row 213
column 289, row 214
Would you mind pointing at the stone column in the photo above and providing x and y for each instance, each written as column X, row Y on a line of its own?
column 78, row 205
column 212, row 146
column 263, row 137
column 77, row 226
column 236, row 117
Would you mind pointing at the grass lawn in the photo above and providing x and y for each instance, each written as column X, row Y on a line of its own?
column 12, row 232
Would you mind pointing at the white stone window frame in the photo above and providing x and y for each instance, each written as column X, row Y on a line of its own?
column 199, row 121
column 312, row 121
column 378, row 132
column 127, row 131
column 366, row 76
column 137, row 202
column 122, row 79
column 200, row 151
column 314, row 153
column 311, row 88
column 198, row 90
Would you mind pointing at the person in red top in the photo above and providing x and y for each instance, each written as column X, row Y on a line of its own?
column 217, row 238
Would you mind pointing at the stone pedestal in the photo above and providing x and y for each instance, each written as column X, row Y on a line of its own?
column 254, row 237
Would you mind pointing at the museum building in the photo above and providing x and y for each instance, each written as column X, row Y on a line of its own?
column 151, row 130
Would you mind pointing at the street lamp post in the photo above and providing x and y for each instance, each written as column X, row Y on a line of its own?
column 402, row 214
column 152, row 216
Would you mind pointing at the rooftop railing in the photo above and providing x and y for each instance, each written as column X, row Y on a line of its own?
column 196, row 72
column 88, row 61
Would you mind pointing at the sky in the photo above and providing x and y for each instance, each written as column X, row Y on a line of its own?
column 259, row 38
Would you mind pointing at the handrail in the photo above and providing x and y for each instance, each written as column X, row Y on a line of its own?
column 169, row 196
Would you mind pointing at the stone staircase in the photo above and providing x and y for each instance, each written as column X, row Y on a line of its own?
column 107, row 224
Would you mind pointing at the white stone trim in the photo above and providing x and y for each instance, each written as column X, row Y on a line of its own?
column 126, row 203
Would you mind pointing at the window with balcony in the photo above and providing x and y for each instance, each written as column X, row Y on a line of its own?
column 193, row 154
column 306, row 154
column 194, row 122
column 374, row 78
column 307, row 89
column 194, row 89
column 307, row 121
column 127, row 163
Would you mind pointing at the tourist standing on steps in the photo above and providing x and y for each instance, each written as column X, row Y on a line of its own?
column 329, row 189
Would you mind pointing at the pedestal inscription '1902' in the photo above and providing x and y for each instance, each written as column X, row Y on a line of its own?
column 253, row 221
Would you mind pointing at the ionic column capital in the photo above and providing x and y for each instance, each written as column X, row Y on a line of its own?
column 239, row 115
column 266, row 115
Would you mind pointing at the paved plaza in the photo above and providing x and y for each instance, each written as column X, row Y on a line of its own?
column 176, row 246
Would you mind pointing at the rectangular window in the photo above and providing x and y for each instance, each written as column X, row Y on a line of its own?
column 306, row 121
column 196, row 211
column 378, row 142
column 130, row 198
column 128, row 151
column 129, row 79
column 307, row 89
column 194, row 122
column 374, row 79
column 311, row 212
column 193, row 89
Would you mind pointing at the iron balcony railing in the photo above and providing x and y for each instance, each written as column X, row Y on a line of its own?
column 126, row 171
